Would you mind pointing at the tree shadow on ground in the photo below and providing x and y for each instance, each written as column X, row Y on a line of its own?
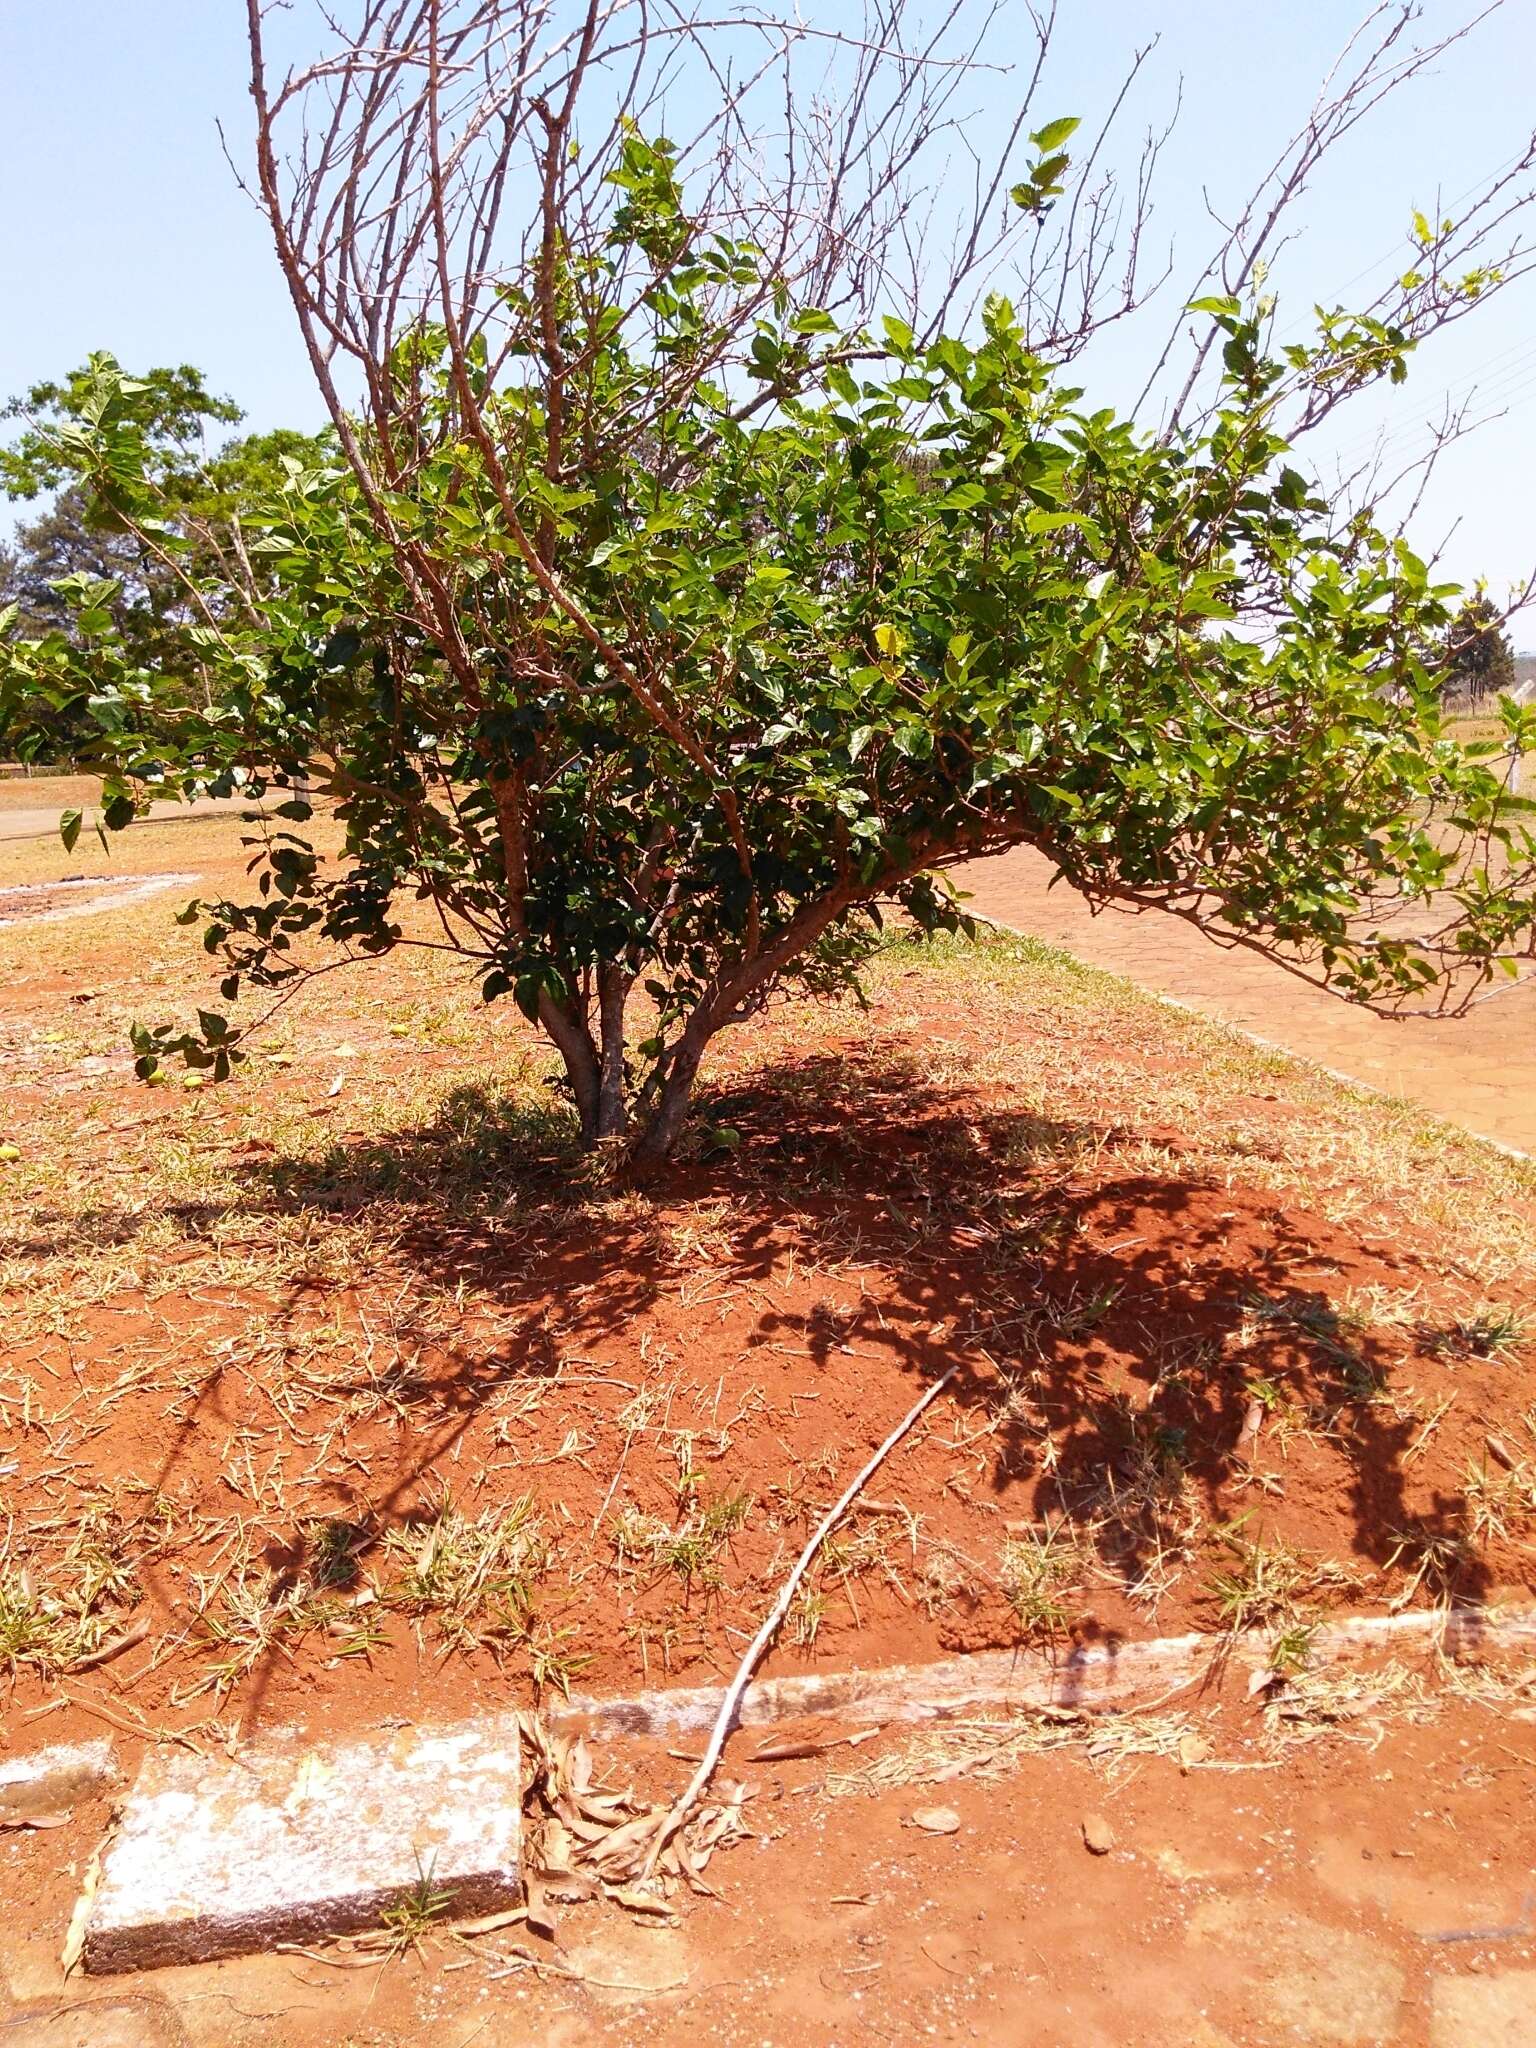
column 1117, row 1326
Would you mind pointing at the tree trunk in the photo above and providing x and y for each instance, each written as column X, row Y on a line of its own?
column 612, row 1112
column 573, row 1041
column 666, row 1122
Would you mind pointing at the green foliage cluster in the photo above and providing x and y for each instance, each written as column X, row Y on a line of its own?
column 82, row 553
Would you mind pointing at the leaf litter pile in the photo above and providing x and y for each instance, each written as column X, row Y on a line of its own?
column 350, row 1388
column 579, row 1842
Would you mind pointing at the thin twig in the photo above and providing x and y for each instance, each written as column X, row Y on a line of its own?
column 726, row 1717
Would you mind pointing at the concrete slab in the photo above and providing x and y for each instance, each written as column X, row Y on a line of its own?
column 296, row 1841
column 52, row 1780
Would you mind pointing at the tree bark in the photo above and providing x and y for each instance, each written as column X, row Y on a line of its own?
column 665, row 1126
column 612, row 990
column 573, row 1041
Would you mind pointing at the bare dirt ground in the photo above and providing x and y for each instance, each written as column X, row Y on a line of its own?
column 1478, row 1070
column 1364, row 1886
column 355, row 1394
column 37, row 820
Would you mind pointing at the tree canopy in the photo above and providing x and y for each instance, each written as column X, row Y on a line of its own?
column 666, row 611
column 1478, row 660
column 80, row 548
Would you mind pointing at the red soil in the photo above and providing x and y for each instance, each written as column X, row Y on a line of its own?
column 772, row 1315
column 899, row 1201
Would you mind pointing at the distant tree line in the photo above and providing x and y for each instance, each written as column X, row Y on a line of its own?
column 1478, row 664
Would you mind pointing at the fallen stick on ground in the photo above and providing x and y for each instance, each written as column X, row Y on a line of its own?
column 678, row 1813
column 114, row 1646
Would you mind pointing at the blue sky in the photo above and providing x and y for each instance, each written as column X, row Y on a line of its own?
column 126, row 229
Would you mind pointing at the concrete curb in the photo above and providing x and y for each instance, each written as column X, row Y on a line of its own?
column 1096, row 1678
column 46, row 1781
column 292, row 1842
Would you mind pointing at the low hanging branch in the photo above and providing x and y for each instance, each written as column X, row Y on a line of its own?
column 677, row 1815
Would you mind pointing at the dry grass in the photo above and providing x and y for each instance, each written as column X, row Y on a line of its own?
column 994, row 1747
column 201, row 1218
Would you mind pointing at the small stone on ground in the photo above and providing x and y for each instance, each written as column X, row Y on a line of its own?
column 1098, row 1835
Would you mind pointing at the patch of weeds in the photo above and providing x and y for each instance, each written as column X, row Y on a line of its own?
column 475, row 1577
column 1331, row 1332
column 1285, row 1417
column 1318, row 1703
column 554, row 1663
column 690, row 1547
column 1141, row 1512
column 53, row 1614
column 331, row 1553
column 806, row 1616
column 413, row 1915
column 851, row 1555
column 1291, row 1651
column 636, row 1536
column 941, row 1580
column 357, row 1634
column 1267, row 1582
column 246, row 1616
column 868, row 1548
column 1499, row 1501
column 1080, row 1310
column 1433, row 1558
column 1037, row 1567
column 1491, row 1331
column 693, row 1549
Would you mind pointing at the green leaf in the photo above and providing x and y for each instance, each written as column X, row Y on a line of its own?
column 1055, row 133
column 69, row 829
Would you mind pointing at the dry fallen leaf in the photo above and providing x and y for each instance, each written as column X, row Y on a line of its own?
column 115, row 1646
column 937, row 1820
column 74, row 1940
column 644, row 1903
column 311, row 1777
column 790, row 1748
column 540, row 1918
column 35, row 1820
column 491, row 1923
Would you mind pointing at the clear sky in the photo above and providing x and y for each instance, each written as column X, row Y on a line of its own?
column 125, row 228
